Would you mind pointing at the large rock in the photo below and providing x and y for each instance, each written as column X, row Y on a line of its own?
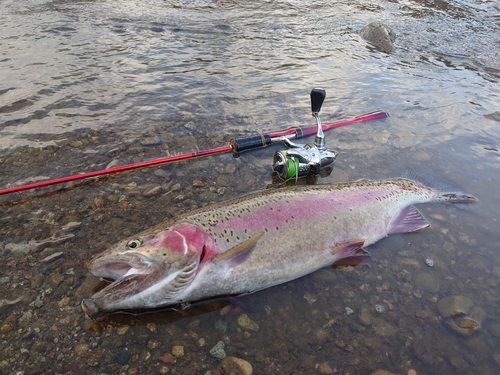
column 460, row 314
column 380, row 35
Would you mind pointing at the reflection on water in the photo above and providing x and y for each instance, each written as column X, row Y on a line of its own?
column 87, row 84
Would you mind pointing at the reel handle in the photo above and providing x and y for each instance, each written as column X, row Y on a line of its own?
column 317, row 98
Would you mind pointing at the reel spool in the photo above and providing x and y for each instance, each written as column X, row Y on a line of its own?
column 303, row 160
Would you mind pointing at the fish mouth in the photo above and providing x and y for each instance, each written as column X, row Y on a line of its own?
column 131, row 273
column 119, row 266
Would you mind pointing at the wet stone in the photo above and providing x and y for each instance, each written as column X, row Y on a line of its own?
column 8, row 324
column 162, row 174
column 461, row 315
column 365, row 317
column 454, row 305
column 178, row 351
column 230, row 168
column 168, row 358
column 123, row 357
column 36, row 281
column 55, row 278
column 82, row 349
column 150, row 141
column 218, row 350
column 384, row 328
column 236, row 366
column 426, row 282
column 324, row 368
column 246, row 323
column 17, row 250
column 221, row 326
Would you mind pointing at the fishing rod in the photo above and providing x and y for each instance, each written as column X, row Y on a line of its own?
column 236, row 145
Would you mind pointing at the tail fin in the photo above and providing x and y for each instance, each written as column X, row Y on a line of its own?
column 446, row 192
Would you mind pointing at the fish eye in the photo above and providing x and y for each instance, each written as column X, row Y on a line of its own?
column 134, row 244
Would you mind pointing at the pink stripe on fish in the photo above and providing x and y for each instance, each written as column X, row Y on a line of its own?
column 277, row 214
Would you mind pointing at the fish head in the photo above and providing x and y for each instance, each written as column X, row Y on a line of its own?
column 149, row 270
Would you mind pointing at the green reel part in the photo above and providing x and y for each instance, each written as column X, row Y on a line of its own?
column 286, row 167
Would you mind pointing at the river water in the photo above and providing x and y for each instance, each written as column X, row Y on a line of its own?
column 97, row 83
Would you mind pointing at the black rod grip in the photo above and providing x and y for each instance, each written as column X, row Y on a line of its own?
column 242, row 144
column 317, row 97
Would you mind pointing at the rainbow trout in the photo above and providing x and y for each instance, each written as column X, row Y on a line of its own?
column 258, row 241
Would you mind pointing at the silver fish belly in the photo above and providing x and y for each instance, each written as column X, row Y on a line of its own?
column 258, row 241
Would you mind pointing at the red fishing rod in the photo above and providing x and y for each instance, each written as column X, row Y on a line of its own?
column 236, row 145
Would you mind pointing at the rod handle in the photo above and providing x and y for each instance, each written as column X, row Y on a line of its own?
column 242, row 144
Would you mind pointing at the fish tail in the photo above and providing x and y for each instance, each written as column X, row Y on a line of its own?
column 445, row 192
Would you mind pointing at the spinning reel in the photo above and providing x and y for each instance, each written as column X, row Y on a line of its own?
column 303, row 160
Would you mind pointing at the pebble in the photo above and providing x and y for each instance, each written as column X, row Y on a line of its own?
column 410, row 262
column 221, row 326
column 150, row 141
column 167, row 358
column 246, row 323
column 230, row 168
column 178, row 351
column 382, row 372
column 161, row 173
column 17, row 250
column 152, row 191
column 76, row 144
column 8, row 324
column 218, row 350
column 429, row 262
column 365, row 317
column 154, row 344
column 236, row 366
column 324, row 368
column 310, row 298
column 122, row 330
column 426, row 282
column 422, row 156
column 81, row 349
column 25, row 319
column 123, row 357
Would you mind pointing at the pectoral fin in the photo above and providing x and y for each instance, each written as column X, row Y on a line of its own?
column 409, row 220
column 351, row 255
column 240, row 252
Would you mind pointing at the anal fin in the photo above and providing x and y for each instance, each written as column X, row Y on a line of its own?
column 351, row 254
column 409, row 220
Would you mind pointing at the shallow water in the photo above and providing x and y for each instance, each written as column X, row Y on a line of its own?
column 88, row 84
